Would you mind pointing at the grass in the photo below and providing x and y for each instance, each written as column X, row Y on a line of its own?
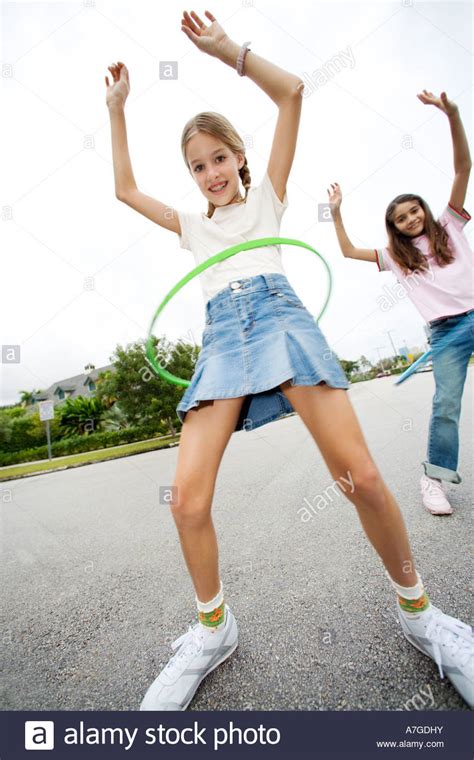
column 87, row 457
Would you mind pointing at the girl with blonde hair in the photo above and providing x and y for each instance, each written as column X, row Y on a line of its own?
column 262, row 356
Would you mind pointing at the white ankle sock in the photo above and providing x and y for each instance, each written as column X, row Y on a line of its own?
column 207, row 607
column 410, row 592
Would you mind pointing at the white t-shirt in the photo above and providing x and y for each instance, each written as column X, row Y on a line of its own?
column 258, row 217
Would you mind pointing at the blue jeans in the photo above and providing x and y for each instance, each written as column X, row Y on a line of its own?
column 452, row 343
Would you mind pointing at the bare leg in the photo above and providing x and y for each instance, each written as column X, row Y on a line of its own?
column 204, row 437
column 329, row 416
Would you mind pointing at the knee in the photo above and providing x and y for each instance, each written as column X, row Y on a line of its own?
column 190, row 505
column 367, row 482
column 446, row 406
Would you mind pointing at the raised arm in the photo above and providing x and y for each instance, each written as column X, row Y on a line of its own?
column 461, row 156
column 348, row 249
column 281, row 86
column 125, row 186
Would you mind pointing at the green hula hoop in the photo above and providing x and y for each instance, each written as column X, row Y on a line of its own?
column 247, row 246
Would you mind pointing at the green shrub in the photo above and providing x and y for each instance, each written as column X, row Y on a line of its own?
column 80, row 443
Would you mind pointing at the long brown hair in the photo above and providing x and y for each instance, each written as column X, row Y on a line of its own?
column 406, row 255
column 215, row 124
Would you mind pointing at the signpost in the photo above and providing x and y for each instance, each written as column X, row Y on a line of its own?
column 46, row 412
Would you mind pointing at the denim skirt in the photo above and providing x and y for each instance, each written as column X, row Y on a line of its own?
column 258, row 334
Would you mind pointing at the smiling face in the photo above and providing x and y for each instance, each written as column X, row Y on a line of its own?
column 214, row 168
column 409, row 218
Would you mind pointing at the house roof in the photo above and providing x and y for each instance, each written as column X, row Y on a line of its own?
column 75, row 386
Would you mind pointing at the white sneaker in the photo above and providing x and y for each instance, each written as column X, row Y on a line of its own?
column 200, row 650
column 449, row 642
column 434, row 496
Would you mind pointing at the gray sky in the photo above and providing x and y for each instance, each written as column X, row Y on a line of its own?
column 82, row 272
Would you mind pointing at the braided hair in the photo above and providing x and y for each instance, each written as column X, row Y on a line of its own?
column 215, row 124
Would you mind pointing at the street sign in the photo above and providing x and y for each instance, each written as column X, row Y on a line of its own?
column 46, row 410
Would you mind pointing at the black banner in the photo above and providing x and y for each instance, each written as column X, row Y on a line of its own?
column 325, row 735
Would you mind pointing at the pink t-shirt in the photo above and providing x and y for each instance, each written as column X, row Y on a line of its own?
column 438, row 291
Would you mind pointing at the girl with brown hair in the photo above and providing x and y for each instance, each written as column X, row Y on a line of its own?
column 432, row 261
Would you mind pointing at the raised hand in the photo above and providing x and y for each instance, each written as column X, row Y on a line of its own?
column 335, row 196
column 445, row 105
column 209, row 39
column 117, row 92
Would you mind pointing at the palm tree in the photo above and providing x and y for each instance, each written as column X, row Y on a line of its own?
column 27, row 397
column 81, row 416
column 115, row 419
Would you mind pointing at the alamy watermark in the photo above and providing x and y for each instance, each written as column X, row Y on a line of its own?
column 322, row 500
column 422, row 700
column 398, row 291
column 319, row 77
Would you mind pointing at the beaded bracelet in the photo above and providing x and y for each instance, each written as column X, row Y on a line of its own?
column 241, row 58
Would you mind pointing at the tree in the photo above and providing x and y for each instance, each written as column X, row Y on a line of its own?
column 21, row 428
column 104, row 388
column 27, row 397
column 348, row 366
column 6, row 424
column 364, row 364
column 144, row 397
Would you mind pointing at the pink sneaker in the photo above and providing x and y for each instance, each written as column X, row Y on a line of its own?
column 434, row 496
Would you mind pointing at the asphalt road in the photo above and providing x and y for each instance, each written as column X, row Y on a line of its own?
column 95, row 587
